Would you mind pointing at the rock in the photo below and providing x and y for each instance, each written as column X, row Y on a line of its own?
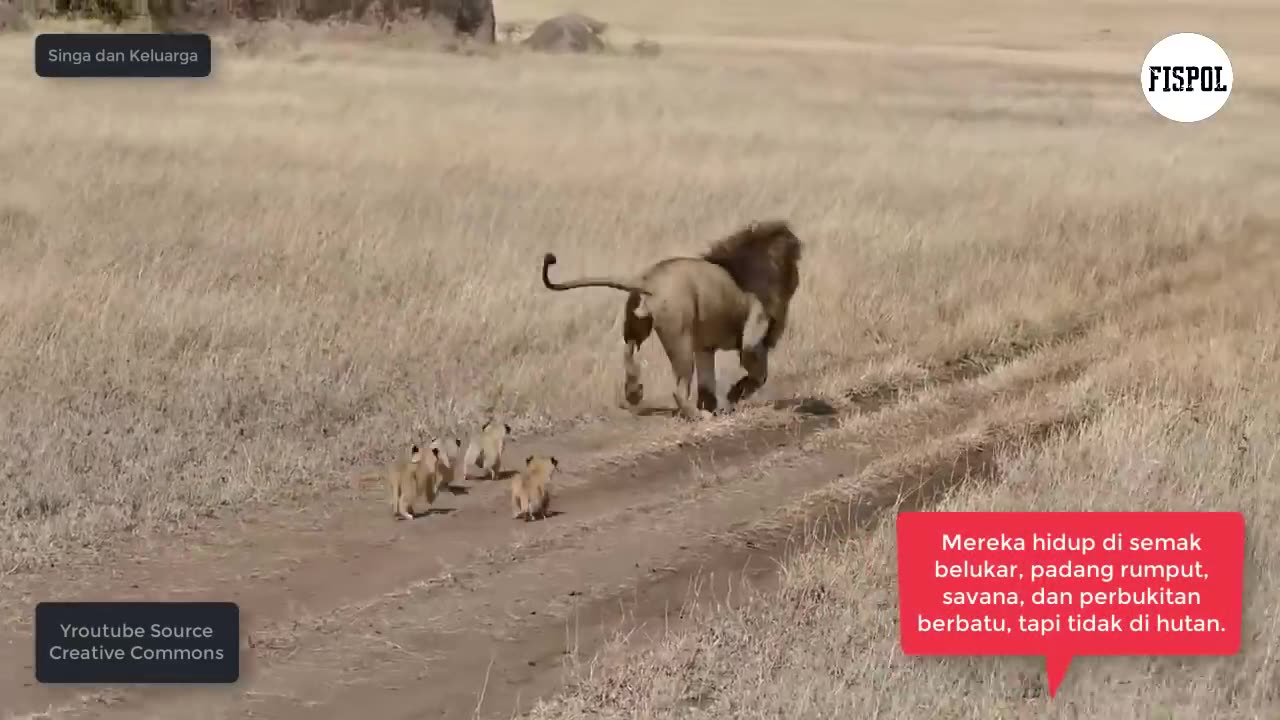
column 574, row 33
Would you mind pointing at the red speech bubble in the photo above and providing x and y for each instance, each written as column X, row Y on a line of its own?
column 1061, row 584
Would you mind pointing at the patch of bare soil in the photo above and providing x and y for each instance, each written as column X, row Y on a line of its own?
column 467, row 612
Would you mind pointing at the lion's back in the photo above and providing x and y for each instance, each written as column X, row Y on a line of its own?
column 693, row 293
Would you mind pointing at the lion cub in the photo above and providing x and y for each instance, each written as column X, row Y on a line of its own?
column 409, row 480
column 530, row 492
column 448, row 454
column 485, row 449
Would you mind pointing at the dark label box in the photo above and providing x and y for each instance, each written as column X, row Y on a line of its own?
column 123, row 55
column 137, row 642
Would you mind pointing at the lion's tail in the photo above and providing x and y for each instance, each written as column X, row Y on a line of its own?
column 610, row 282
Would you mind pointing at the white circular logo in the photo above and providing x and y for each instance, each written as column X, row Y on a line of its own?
column 1186, row 77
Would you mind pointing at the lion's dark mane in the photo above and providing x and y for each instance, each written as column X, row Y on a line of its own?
column 763, row 259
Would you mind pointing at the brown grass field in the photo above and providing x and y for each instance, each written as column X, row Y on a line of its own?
column 1021, row 286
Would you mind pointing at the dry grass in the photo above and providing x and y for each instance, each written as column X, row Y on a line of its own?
column 229, row 292
column 1196, row 433
column 1049, row 174
column 1191, row 429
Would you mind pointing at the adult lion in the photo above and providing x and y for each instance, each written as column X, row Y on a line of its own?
column 733, row 297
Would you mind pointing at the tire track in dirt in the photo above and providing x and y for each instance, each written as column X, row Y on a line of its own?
column 654, row 596
column 746, row 443
column 734, row 502
column 314, row 664
column 751, row 561
column 677, row 544
column 751, row 479
column 633, row 525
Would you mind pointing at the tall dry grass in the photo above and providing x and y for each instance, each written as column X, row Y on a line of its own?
column 227, row 292
column 1188, row 424
column 1187, row 390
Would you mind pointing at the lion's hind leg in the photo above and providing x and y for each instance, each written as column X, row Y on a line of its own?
column 681, row 355
column 705, row 364
column 637, row 324
column 517, row 507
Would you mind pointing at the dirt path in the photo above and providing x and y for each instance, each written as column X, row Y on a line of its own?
column 468, row 613
column 328, row 626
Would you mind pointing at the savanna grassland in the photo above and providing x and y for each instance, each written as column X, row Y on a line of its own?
column 219, row 296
